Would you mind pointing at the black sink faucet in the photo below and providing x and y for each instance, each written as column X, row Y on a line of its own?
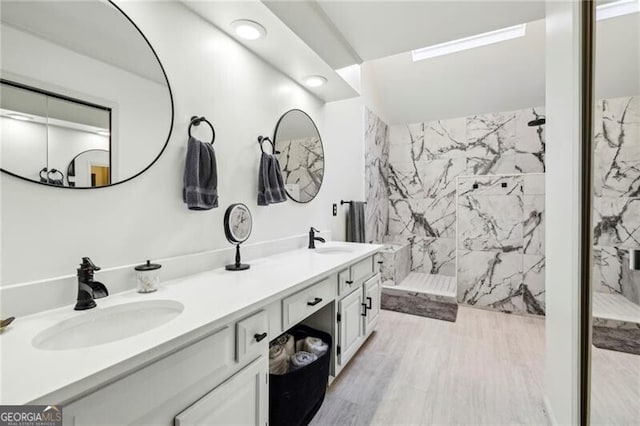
column 313, row 238
column 88, row 289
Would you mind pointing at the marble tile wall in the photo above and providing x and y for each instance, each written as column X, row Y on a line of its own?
column 426, row 158
column 376, row 210
column 617, row 195
column 500, row 242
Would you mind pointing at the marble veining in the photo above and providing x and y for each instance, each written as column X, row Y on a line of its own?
column 376, row 178
column 616, row 204
column 500, row 243
column 495, row 280
column 396, row 263
column 616, row 222
column 429, row 161
column 530, row 142
column 617, row 147
column 611, row 273
column 302, row 163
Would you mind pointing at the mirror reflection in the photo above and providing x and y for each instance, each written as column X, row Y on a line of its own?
column 90, row 106
column 43, row 134
column 301, row 155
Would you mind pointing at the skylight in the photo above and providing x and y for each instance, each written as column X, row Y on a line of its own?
column 469, row 42
column 617, row 8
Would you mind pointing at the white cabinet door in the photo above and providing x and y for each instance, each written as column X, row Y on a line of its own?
column 350, row 329
column 372, row 295
column 241, row 400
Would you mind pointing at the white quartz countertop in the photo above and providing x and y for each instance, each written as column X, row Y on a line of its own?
column 31, row 375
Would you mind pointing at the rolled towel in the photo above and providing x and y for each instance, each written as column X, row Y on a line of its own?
column 278, row 360
column 302, row 359
column 287, row 341
column 315, row 345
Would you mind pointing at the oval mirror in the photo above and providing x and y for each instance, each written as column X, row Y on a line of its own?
column 90, row 105
column 300, row 154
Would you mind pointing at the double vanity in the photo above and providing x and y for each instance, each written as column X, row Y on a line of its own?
column 196, row 350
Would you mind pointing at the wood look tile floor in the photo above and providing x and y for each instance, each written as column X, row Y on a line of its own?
column 486, row 368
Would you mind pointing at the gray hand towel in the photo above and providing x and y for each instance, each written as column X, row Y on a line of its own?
column 270, row 182
column 355, row 222
column 200, row 176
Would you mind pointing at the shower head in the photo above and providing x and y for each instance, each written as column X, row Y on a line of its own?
column 537, row 122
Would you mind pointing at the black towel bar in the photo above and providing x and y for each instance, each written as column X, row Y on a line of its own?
column 195, row 121
column 348, row 202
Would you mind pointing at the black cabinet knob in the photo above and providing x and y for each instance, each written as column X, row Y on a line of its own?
column 315, row 301
column 349, row 282
column 380, row 262
column 260, row 337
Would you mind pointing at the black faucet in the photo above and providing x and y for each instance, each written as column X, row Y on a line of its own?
column 88, row 289
column 313, row 238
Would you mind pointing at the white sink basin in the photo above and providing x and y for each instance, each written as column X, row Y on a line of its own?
column 334, row 250
column 98, row 326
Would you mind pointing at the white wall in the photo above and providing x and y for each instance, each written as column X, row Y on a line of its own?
column 562, row 203
column 345, row 127
column 45, row 231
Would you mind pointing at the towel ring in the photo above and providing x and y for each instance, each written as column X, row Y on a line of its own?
column 262, row 139
column 43, row 178
column 195, row 121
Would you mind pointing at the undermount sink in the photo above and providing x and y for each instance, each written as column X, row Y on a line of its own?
column 334, row 250
column 99, row 326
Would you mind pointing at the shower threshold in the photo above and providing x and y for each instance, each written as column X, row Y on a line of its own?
column 427, row 295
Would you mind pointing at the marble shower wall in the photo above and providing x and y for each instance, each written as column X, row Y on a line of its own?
column 376, row 210
column 501, row 242
column 426, row 158
column 617, row 195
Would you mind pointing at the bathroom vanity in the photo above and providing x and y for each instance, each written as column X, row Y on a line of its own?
column 208, row 363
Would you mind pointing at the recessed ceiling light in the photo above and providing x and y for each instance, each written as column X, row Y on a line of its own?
column 248, row 30
column 20, row 117
column 103, row 133
column 617, row 8
column 469, row 42
column 315, row 81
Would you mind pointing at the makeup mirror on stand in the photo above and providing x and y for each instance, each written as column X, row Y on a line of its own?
column 237, row 228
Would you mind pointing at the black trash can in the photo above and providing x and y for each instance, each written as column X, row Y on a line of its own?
column 295, row 397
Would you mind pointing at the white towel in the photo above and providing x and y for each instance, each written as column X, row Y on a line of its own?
column 302, row 359
column 288, row 342
column 278, row 360
column 315, row 345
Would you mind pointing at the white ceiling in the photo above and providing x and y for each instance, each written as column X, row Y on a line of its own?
column 92, row 28
column 348, row 32
column 281, row 47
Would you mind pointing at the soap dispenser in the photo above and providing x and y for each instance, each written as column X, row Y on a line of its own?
column 148, row 277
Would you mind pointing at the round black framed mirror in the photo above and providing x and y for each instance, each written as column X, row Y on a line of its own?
column 238, row 224
column 301, row 155
column 91, row 81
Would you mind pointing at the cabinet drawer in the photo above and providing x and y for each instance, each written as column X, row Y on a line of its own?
column 297, row 307
column 362, row 270
column 345, row 283
column 251, row 336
